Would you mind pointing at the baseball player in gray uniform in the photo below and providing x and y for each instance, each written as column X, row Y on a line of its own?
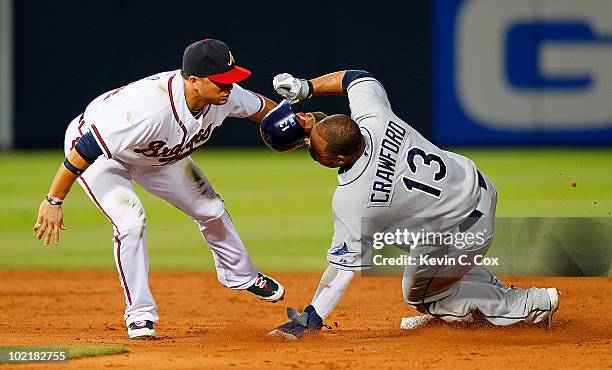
column 145, row 132
column 391, row 178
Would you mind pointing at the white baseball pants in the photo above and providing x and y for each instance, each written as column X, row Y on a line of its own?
column 109, row 185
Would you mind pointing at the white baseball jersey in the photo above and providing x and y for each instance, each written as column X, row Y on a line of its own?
column 402, row 181
column 148, row 121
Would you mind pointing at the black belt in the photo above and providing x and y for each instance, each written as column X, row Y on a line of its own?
column 473, row 217
column 481, row 181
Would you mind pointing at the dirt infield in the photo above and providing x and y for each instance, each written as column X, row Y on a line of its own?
column 204, row 325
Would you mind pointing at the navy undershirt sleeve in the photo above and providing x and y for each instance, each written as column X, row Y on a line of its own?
column 352, row 75
column 88, row 148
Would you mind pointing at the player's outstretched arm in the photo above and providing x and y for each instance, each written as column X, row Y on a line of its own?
column 330, row 84
column 296, row 89
column 332, row 286
column 50, row 218
column 268, row 106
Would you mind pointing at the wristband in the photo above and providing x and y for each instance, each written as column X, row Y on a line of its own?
column 54, row 201
column 310, row 89
column 72, row 168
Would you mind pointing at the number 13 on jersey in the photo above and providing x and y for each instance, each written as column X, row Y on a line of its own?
column 426, row 160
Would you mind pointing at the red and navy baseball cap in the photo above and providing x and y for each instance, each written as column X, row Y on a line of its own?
column 212, row 59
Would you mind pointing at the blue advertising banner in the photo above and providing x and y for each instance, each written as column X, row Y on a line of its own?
column 522, row 72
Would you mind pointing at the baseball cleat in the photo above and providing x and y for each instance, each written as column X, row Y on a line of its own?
column 554, row 305
column 267, row 289
column 141, row 330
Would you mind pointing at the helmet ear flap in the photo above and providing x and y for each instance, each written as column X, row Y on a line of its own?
column 281, row 130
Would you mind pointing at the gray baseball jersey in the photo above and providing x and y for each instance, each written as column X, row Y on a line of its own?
column 401, row 181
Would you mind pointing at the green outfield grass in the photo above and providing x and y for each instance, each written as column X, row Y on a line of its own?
column 281, row 204
column 75, row 352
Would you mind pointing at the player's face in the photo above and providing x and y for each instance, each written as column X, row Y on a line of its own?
column 213, row 92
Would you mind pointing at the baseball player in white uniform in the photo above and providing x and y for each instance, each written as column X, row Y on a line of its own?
column 144, row 132
column 391, row 178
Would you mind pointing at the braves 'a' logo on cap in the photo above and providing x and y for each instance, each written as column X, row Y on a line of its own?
column 231, row 60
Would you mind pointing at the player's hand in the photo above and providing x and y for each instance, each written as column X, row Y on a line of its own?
column 50, row 220
column 309, row 120
column 291, row 88
column 301, row 324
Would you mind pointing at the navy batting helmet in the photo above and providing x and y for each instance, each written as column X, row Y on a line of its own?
column 281, row 130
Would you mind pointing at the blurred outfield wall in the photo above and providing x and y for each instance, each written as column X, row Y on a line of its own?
column 522, row 72
column 463, row 72
column 69, row 52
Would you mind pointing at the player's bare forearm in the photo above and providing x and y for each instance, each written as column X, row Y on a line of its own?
column 62, row 183
column 330, row 84
column 50, row 218
column 268, row 106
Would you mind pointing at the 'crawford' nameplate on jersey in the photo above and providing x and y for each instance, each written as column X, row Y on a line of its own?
column 383, row 182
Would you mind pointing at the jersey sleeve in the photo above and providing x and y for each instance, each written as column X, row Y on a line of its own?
column 349, row 249
column 367, row 97
column 117, row 132
column 244, row 103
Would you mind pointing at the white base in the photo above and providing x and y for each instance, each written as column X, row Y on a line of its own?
column 554, row 303
column 409, row 323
